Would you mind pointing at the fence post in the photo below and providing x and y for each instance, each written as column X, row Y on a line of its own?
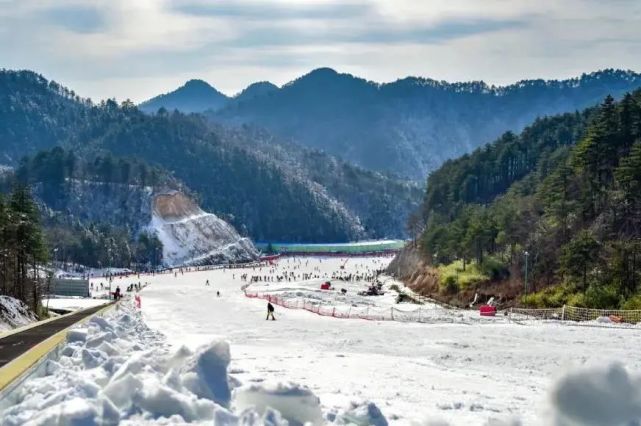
column 419, row 314
column 563, row 313
column 334, row 311
column 392, row 313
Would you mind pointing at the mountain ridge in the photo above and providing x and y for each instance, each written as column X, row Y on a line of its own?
column 412, row 125
column 250, row 179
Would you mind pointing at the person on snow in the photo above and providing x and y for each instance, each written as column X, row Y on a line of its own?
column 117, row 293
column 218, row 293
column 207, row 282
column 270, row 311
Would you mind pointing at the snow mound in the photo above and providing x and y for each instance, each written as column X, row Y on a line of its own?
column 296, row 403
column 205, row 373
column 598, row 396
column 14, row 313
column 115, row 368
column 191, row 236
column 362, row 414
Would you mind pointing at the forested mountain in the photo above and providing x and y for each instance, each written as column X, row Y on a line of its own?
column 564, row 196
column 270, row 192
column 193, row 96
column 95, row 210
column 35, row 114
column 411, row 126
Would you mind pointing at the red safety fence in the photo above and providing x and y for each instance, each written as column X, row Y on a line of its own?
column 433, row 314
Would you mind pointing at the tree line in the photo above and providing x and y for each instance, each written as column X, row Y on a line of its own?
column 23, row 248
column 567, row 191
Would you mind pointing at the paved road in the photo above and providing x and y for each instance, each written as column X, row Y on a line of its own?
column 14, row 345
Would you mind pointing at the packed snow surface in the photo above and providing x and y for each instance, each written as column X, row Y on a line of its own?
column 462, row 372
column 72, row 303
column 194, row 356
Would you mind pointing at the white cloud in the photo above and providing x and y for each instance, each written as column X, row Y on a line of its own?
column 137, row 48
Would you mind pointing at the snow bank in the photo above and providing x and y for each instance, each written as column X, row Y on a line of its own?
column 14, row 313
column 362, row 414
column 116, row 368
column 296, row 404
column 598, row 396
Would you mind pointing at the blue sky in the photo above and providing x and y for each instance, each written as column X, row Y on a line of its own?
column 139, row 48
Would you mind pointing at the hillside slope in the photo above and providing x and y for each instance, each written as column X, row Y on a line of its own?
column 266, row 190
column 98, row 216
column 561, row 201
column 411, row 126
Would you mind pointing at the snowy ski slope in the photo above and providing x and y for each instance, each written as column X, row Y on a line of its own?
column 462, row 373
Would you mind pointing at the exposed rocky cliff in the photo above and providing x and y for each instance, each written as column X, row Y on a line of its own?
column 192, row 236
column 189, row 235
column 410, row 267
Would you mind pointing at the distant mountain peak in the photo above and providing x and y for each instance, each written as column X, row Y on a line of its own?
column 255, row 90
column 194, row 96
column 196, row 83
column 323, row 71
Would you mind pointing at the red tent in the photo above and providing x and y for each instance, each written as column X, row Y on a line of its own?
column 487, row 311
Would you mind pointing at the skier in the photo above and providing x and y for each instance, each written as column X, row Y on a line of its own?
column 218, row 293
column 270, row 311
column 207, row 282
column 117, row 293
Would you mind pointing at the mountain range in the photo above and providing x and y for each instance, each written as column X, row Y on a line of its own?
column 269, row 188
column 408, row 127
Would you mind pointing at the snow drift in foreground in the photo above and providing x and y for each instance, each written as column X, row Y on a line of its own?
column 191, row 236
column 116, row 370
column 14, row 313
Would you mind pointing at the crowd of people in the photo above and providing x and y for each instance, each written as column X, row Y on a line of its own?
column 291, row 269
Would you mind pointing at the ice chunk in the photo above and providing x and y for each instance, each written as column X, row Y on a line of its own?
column 363, row 414
column 296, row 403
column 162, row 401
column 205, row 373
column 121, row 391
column 76, row 411
column 77, row 335
column 101, row 323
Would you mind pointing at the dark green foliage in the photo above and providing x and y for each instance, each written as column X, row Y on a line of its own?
column 580, row 257
column 489, row 171
column 573, row 202
column 97, row 238
column 22, row 248
column 103, row 245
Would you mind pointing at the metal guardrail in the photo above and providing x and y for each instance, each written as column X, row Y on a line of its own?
column 23, row 350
